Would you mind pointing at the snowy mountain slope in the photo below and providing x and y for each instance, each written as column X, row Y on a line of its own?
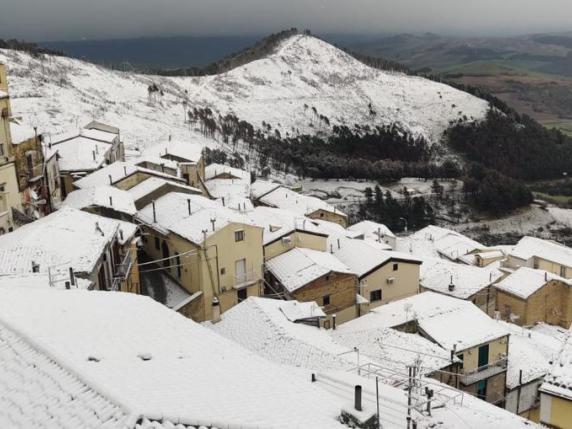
column 307, row 71
column 56, row 94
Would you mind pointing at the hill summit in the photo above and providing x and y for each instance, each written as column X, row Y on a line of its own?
column 304, row 86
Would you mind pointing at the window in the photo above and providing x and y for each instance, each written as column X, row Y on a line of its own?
column 157, row 243
column 240, row 271
column 326, row 300
column 483, row 356
column 242, row 294
column 395, row 267
column 321, row 214
column 375, row 295
column 222, row 271
column 239, row 235
column 535, row 264
column 482, row 389
column 563, row 271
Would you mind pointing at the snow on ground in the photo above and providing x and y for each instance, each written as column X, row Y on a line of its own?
column 307, row 71
column 56, row 94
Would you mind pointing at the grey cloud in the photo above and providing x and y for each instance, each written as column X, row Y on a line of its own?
column 75, row 19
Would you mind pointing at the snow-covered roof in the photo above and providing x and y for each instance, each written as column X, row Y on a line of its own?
column 172, row 214
column 118, row 171
column 558, row 381
column 79, row 153
column 21, row 132
column 144, row 362
column 100, row 135
column 529, row 351
column 528, row 247
column 362, row 257
column 299, row 266
column 371, row 230
column 297, row 311
column 462, row 329
column 525, row 281
column 182, row 151
column 228, row 188
column 151, row 184
column 262, row 187
column 278, row 223
column 435, row 242
column 159, row 162
column 214, row 170
column 287, row 199
column 437, row 275
column 260, row 325
column 101, row 196
column 63, row 239
column 395, row 349
column 448, row 321
column 39, row 280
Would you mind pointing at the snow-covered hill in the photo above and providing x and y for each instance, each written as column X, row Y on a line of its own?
column 305, row 79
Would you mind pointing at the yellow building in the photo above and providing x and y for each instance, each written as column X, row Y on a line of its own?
column 467, row 282
column 384, row 276
column 480, row 343
column 541, row 254
column 310, row 275
column 189, row 157
column 33, row 171
column 529, row 296
column 207, row 249
column 285, row 230
column 556, row 391
column 303, row 205
column 9, row 195
column 70, row 244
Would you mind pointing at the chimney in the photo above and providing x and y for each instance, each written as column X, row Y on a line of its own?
column 189, row 206
column 545, row 276
column 110, row 179
column 357, row 398
column 170, row 137
column 121, row 234
column 451, row 285
column 216, row 310
column 154, row 212
column 205, row 235
column 213, row 221
column 225, row 206
column 125, row 170
column 334, row 322
column 110, row 200
column 339, row 247
column 331, row 248
column 93, row 153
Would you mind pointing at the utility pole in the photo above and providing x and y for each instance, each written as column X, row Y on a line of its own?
column 409, row 391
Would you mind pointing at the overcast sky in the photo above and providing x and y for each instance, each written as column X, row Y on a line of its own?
column 77, row 19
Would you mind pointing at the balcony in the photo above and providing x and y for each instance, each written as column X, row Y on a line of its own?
column 122, row 269
column 484, row 372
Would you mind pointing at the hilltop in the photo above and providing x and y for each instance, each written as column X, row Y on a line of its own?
column 306, row 86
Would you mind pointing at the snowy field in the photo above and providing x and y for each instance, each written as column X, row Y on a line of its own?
column 289, row 90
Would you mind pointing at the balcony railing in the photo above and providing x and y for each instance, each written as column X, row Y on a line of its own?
column 123, row 269
column 484, row 372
